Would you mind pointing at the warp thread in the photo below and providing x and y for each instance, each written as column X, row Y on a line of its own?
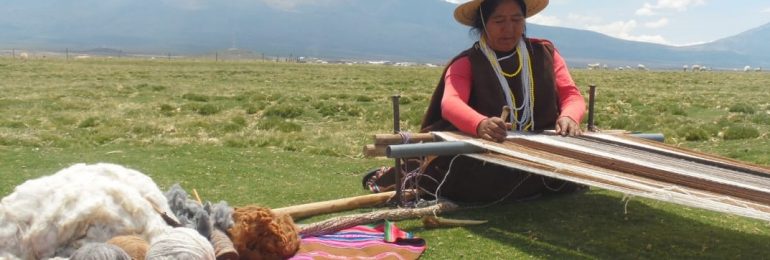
column 258, row 233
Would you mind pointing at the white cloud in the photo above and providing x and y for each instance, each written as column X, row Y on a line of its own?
column 657, row 24
column 667, row 5
column 457, row 1
column 623, row 30
column 646, row 10
column 583, row 19
column 291, row 5
column 766, row 10
column 545, row 20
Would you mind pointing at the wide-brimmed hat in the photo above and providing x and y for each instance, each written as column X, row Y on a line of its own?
column 466, row 13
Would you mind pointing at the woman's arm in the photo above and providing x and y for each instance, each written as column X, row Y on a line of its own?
column 572, row 103
column 457, row 91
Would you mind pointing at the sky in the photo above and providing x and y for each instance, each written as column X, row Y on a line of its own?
column 670, row 22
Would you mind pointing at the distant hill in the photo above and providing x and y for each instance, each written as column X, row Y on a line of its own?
column 398, row 30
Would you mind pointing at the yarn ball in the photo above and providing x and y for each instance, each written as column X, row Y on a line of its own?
column 181, row 244
column 135, row 246
column 258, row 233
column 99, row 251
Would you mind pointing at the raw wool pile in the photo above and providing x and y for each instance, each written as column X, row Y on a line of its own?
column 135, row 246
column 100, row 251
column 258, row 233
column 54, row 215
column 201, row 217
column 181, row 244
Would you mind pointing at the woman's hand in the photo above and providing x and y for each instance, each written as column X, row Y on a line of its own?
column 566, row 126
column 493, row 129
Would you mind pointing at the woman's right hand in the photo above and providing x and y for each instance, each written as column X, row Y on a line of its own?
column 493, row 129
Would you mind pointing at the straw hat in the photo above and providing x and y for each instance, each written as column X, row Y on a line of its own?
column 467, row 12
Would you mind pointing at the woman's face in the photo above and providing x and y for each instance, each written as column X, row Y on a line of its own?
column 505, row 26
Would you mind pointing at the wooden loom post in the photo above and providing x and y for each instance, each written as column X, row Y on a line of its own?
column 397, row 130
column 591, row 101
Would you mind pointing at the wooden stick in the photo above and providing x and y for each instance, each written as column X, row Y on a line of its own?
column 343, row 222
column 387, row 139
column 371, row 150
column 338, row 205
column 505, row 114
column 198, row 198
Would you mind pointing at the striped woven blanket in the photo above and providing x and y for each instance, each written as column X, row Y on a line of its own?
column 383, row 241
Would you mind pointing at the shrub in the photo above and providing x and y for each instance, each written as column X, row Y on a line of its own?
column 338, row 109
column 89, row 122
column 278, row 124
column 693, row 133
column 742, row 108
column 737, row 132
column 167, row 109
column 207, row 109
column 238, row 120
column 283, row 111
column 196, row 97
column 362, row 98
column 762, row 119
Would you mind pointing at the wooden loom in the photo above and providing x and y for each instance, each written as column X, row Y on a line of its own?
column 634, row 166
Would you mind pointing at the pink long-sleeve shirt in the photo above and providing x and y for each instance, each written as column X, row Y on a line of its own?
column 457, row 89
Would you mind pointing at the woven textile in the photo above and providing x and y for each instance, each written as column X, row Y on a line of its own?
column 383, row 241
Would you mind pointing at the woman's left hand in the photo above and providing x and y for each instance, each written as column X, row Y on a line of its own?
column 565, row 126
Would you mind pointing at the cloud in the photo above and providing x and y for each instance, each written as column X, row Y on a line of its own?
column 657, row 24
column 766, row 10
column 623, row 30
column 457, row 1
column 545, row 20
column 667, row 5
column 292, row 5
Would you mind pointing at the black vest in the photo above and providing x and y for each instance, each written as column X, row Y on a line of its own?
column 487, row 96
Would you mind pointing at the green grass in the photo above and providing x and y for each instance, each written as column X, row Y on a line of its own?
column 280, row 134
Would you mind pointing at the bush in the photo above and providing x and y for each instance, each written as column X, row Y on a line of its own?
column 278, row 124
column 693, row 133
column 196, row 97
column 89, row 122
column 742, row 108
column 167, row 109
column 284, row 111
column 207, row 109
column 338, row 109
column 737, row 132
column 762, row 119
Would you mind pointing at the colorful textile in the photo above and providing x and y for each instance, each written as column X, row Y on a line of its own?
column 384, row 241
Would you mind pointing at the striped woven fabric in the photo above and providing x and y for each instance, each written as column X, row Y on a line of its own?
column 635, row 167
column 384, row 241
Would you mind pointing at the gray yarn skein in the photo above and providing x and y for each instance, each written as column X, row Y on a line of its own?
column 100, row 251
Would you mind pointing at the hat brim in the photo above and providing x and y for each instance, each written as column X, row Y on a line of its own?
column 466, row 13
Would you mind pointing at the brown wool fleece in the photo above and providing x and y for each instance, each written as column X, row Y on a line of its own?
column 258, row 233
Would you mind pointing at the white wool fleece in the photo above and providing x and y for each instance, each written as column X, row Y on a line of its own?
column 54, row 215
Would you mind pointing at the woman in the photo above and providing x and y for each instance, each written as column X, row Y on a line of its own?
column 504, row 68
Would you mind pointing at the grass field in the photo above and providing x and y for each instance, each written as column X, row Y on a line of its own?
column 279, row 134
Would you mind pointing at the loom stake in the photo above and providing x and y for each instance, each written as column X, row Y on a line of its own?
column 591, row 101
column 397, row 130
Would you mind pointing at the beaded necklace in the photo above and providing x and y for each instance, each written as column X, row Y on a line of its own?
column 523, row 115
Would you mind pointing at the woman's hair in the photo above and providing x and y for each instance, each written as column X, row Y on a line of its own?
column 487, row 8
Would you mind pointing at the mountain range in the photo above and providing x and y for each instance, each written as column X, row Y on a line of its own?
column 395, row 30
